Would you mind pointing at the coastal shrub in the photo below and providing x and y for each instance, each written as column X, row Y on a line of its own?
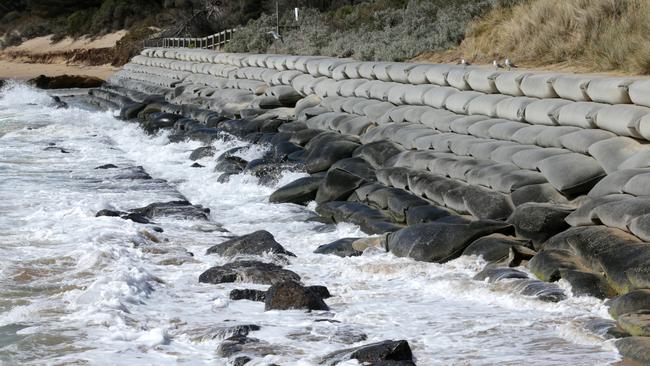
column 372, row 30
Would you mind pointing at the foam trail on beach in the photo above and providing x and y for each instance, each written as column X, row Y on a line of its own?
column 75, row 287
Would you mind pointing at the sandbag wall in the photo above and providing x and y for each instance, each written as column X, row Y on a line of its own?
column 517, row 166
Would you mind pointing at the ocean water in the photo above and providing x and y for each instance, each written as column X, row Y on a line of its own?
column 79, row 289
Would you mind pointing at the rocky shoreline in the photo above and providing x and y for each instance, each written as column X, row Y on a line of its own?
column 432, row 161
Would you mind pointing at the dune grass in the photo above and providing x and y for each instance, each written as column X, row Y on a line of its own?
column 592, row 35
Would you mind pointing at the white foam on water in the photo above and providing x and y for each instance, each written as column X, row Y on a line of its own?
column 99, row 289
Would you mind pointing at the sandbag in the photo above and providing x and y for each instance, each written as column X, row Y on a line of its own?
column 581, row 114
column 486, row 104
column 572, row 87
column 528, row 135
column 542, row 193
column 640, row 159
column 550, row 137
column 459, row 102
column 437, row 242
column 418, row 74
column 457, row 77
column 639, row 92
column 609, row 90
column 571, row 173
column 539, row 86
column 615, row 182
column 509, row 83
column 638, row 185
column 437, row 97
column 505, row 130
column 620, row 213
column 431, row 117
column 539, row 221
column 612, row 152
column 623, row 120
column 584, row 215
column 483, row 80
column 580, row 140
column 514, row 108
column 482, row 128
column 545, row 111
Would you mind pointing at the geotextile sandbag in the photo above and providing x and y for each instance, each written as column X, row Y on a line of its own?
column 580, row 140
column 509, row 82
column 579, row 114
column 539, row 85
column 544, row 112
column 459, row 102
column 609, row 90
column 483, row 80
column 486, row 104
column 514, row 108
column 572, row 87
column 623, row 120
column 436, row 97
column 457, row 78
column 571, row 173
column 612, row 152
column 639, row 92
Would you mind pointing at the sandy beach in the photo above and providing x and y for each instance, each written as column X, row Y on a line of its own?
column 23, row 71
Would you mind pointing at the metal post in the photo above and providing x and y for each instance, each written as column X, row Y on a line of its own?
column 277, row 17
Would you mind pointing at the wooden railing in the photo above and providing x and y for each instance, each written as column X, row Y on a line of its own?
column 214, row 42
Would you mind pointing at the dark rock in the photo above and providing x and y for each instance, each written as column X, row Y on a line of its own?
column 342, row 248
column 180, row 209
column 65, row 82
column 281, row 151
column 235, row 330
column 371, row 220
column 292, row 295
column 635, row 348
column 241, row 360
column 630, row 302
column 133, row 173
column 440, row 242
column 300, row 191
column 256, row 243
column 242, row 344
column 111, row 213
column 373, row 353
column 136, row 217
column 231, row 165
column 248, row 271
column 636, row 323
column 106, row 166
column 539, row 221
column 202, row 152
column 158, row 121
column 321, row 291
column 197, row 165
column 247, row 294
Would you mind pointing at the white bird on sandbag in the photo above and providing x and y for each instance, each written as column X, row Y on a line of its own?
column 463, row 62
column 275, row 35
column 496, row 64
column 509, row 64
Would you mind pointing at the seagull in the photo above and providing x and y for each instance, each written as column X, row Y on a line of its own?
column 463, row 62
column 496, row 64
column 275, row 35
column 509, row 64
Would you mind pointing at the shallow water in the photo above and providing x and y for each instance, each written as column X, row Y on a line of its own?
column 77, row 289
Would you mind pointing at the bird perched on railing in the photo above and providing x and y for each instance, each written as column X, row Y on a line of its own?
column 496, row 64
column 463, row 62
column 275, row 35
column 509, row 64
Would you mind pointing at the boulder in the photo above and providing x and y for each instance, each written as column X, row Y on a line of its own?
column 247, row 294
column 539, row 221
column 587, row 284
column 231, row 165
column 375, row 353
column 342, row 248
column 107, row 166
column 237, row 344
column 257, row 243
column 248, row 271
column 440, row 242
column 292, row 295
column 300, row 191
column 178, row 209
column 65, row 82
column 202, row 152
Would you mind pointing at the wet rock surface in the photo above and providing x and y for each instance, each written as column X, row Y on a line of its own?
column 292, row 295
column 256, row 243
column 385, row 352
column 248, row 271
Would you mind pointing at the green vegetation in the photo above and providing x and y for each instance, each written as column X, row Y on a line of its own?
column 391, row 30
